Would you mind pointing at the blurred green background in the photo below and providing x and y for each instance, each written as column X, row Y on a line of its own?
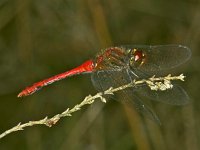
column 39, row 39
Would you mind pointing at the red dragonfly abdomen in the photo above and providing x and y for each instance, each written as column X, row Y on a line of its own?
column 86, row 67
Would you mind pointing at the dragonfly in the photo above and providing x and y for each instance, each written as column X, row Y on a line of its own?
column 120, row 65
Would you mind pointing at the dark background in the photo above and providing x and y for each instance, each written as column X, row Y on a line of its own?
column 40, row 38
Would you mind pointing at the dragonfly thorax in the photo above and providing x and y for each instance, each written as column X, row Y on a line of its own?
column 113, row 58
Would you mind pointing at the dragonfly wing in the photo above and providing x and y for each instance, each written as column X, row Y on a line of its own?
column 103, row 80
column 162, row 57
column 175, row 96
column 134, row 101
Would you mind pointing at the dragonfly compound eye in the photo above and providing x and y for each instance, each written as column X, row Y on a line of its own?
column 137, row 58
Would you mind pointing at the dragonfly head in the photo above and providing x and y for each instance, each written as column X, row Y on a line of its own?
column 136, row 58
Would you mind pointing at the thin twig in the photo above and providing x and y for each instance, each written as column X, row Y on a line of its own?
column 160, row 83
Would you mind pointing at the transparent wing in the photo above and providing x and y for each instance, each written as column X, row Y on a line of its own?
column 162, row 57
column 174, row 96
column 103, row 80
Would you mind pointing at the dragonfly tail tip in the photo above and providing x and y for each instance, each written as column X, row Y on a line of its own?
column 22, row 94
column 19, row 95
